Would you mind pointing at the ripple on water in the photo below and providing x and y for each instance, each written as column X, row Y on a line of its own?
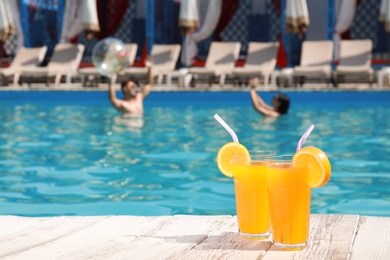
column 355, row 163
column 32, row 144
column 191, row 156
column 372, row 207
column 9, row 163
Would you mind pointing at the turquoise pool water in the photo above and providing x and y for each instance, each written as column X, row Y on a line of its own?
column 70, row 153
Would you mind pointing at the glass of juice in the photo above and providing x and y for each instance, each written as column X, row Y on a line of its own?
column 250, row 186
column 289, row 201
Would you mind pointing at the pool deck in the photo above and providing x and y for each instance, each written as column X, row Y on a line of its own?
column 201, row 87
column 184, row 237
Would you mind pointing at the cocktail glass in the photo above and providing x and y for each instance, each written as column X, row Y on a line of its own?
column 289, row 201
column 250, row 185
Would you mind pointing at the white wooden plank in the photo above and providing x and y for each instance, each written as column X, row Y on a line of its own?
column 172, row 238
column 40, row 232
column 372, row 240
column 7, row 224
column 225, row 243
column 330, row 237
column 184, row 237
column 91, row 241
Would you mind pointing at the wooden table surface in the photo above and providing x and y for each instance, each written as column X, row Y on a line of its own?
column 184, row 237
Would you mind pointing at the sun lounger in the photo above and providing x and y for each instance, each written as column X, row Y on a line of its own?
column 354, row 61
column 25, row 58
column 91, row 76
column 220, row 62
column 64, row 61
column 164, row 58
column 260, row 62
column 316, row 62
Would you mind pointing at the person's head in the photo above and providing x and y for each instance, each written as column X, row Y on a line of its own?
column 281, row 103
column 89, row 34
column 129, row 88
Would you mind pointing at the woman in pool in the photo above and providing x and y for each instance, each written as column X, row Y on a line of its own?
column 280, row 102
column 132, row 101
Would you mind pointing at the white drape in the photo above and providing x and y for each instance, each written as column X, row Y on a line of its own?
column 6, row 20
column 210, row 22
column 79, row 15
column 188, row 16
column 345, row 13
column 90, row 16
column 297, row 16
column 10, row 21
column 384, row 14
column 207, row 27
column 72, row 21
column 17, row 23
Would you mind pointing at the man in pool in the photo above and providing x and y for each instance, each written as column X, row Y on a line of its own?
column 133, row 100
column 280, row 102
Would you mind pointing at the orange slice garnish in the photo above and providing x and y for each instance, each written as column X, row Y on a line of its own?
column 225, row 157
column 319, row 169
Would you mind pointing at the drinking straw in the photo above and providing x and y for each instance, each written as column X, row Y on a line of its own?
column 230, row 131
column 304, row 137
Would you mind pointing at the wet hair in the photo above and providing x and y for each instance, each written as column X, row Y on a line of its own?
column 124, row 83
column 284, row 103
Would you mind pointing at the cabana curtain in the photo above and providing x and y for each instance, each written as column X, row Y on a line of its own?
column 384, row 14
column 206, row 26
column 10, row 21
column 228, row 9
column 110, row 14
column 6, row 20
column 297, row 16
column 210, row 22
column 345, row 13
column 79, row 15
column 188, row 16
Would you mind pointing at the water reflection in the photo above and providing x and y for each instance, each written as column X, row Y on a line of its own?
column 128, row 122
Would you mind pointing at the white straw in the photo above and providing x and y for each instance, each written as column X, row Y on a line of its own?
column 304, row 137
column 230, row 131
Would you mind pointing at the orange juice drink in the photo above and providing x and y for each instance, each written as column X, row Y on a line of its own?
column 250, row 185
column 290, row 180
column 289, row 201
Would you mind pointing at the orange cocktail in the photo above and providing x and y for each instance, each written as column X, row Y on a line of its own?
column 289, row 200
column 290, row 179
column 250, row 185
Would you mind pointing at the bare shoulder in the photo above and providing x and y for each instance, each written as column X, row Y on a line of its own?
column 270, row 112
column 274, row 114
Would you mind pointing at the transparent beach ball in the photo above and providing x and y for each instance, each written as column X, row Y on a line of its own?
column 109, row 56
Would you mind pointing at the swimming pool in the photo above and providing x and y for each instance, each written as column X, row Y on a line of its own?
column 71, row 153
